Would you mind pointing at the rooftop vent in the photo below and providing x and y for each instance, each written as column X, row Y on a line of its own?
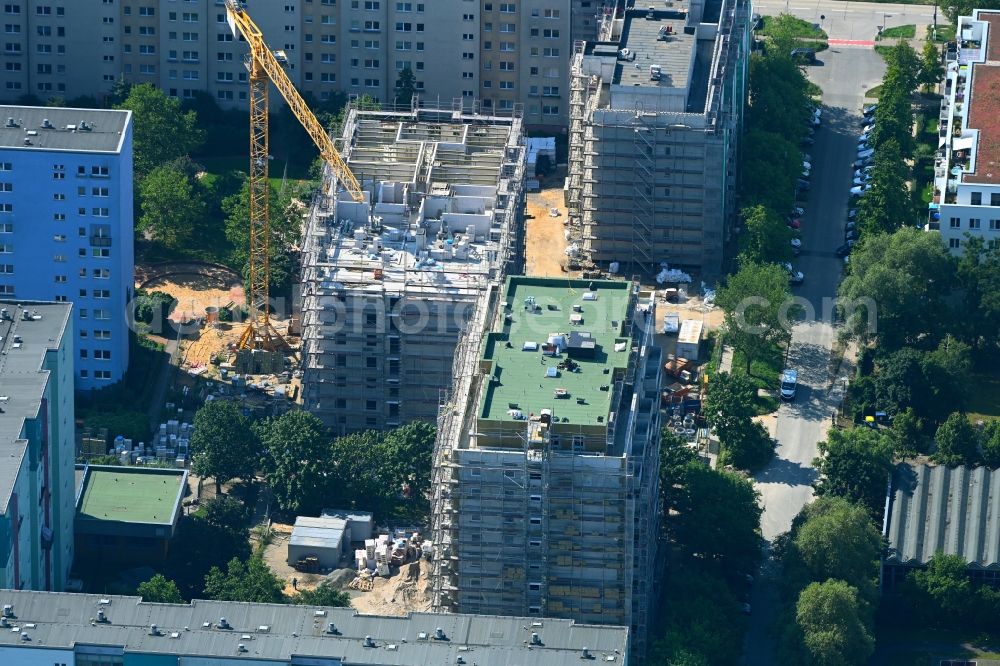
column 101, row 615
column 536, row 639
column 8, row 610
column 24, row 636
column 223, row 623
column 4, row 623
column 369, row 643
column 651, row 13
column 84, row 125
column 439, row 634
column 154, row 630
column 241, row 648
column 27, row 141
column 331, row 628
column 10, row 122
column 586, row 653
column 46, row 124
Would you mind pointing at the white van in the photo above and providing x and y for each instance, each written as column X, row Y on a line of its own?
column 789, row 382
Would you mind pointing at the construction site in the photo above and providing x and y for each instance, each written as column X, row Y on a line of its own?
column 545, row 480
column 391, row 279
column 656, row 107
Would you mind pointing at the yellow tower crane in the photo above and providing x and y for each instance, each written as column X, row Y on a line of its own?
column 264, row 66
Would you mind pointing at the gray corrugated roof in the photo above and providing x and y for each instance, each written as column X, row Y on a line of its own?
column 673, row 55
column 107, row 128
column 318, row 532
column 22, row 379
column 65, row 620
column 940, row 509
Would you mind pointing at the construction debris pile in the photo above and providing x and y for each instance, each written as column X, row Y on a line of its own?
column 382, row 553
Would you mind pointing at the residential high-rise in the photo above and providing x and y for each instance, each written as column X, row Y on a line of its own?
column 390, row 284
column 966, row 181
column 488, row 56
column 656, row 110
column 37, row 485
column 66, row 225
column 545, row 483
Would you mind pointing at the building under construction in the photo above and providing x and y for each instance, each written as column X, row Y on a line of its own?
column 545, row 482
column 390, row 283
column 656, row 106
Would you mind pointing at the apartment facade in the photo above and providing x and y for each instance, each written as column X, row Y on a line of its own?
column 37, row 486
column 656, row 110
column 66, row 225
column 491, row 56
column 966, row 198
column 390, row 284
column 547, row 456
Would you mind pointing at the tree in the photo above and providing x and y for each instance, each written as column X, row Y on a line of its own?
column 908, row 434
column 729, row 408
column 955, row 8
column 834, row 626
column 197, row 547
column 323, row 595
column 297, row 460
column 675, row 455
column 749, row 447
column 756, row 303
column 896, row 289
column 406, row 87
column 766, row 239
column 768, row 171
column 957, row 442
column 902, row 67
column 885, row 207
column 718, row 519
column 931, row 69
column 172, row 207
column 284, row 230
column 834, row 538
column 161, row 131
column 989, row 442
column 387, row 472
column 979, row 278
column 223, row 445
column 226, row 512
column 855, row 464
column 252, row 581
column 159, row 590
column 944, row 589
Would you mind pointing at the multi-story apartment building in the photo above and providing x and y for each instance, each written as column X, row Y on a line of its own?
column 37, row 487
column 545, row 482
column 655, row 114
column 66, row 227
column 505, row 54
column 388, row 285
column 966, row 178
column 109, row 630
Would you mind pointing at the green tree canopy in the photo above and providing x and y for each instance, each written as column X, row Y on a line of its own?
column 902, row 280
column 886, row 207
column 834, row 625
column 766, row 239
column 719, row 518
column 979, row 311
column 756, row 303
column 406, row 87
column 323, row 595
column 957, row 442
column 674, row 458
column 223, row 445
column 285, row 224
column 944, row 586
column 297, row 460
column 989, row 440
column 729, row 408
column 161, row 131
column 855, row 464
column 172, row 206
column 931, row 67
column 249, row 581
column 834, row 538
column 908, row 435
column 159, row 590
column 226, row 512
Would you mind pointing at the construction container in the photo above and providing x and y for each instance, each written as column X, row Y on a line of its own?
column 689, row 339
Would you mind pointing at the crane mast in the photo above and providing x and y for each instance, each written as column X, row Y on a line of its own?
column 266, row 66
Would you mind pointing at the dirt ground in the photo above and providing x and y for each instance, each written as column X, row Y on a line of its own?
column 194, row 292
column 545, row 236
column 275, row 555
column 408, row 590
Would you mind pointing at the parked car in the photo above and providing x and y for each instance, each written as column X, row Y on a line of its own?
column 870, row 109
column 796, row 246
column 794, row 223
column 859, row 190
column 798, row 211
column 804, row 56
column 807, row 165
column 845, row 249
column 807, row 141
column 862, row 180
column 805, row 174
column 789, row 384
column 863, row 170
column 796, row 277
column 851, row 235
column 852, row 213
column 806, row 157
column 864, row 153
column 849, row 226
column 863, row 138
column 864, row 162
column 802, row 185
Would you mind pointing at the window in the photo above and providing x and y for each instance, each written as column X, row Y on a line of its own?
column 61, row 279
column 6, row 269
column 101, row 374
column 994, row 225
column 371, row 362
column 954, row 223
column 11, row 9
column 549, row 33
column 550, row 91
column 9, row 208
column 974, row 223
column 102, row 314
column 189, row 17
column 994, row 199
column 100, row 334
column 102, row 354
column 6, row 227
column 7, row 166
column 550, row 110
column 976, row 198
column 147, row 11
column 371, row 405
column 508, row 7
column 954, row 243
column 99, row 171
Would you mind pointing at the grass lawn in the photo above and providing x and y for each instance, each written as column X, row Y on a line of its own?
column 907, row 31
column 793, row 26
column 945, row 33
column 927, row 650
column 984, row 400
column 216, row 166
column 765, row 372
column 883, row 50
column 874, row 91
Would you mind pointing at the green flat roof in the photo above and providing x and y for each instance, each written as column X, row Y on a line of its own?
column 522, row 374
column 131, row 495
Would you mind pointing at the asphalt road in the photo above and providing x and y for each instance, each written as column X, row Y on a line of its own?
column 785, row 484
column 852, row 20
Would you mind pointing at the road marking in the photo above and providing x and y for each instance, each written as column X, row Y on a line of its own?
column 862, row 43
